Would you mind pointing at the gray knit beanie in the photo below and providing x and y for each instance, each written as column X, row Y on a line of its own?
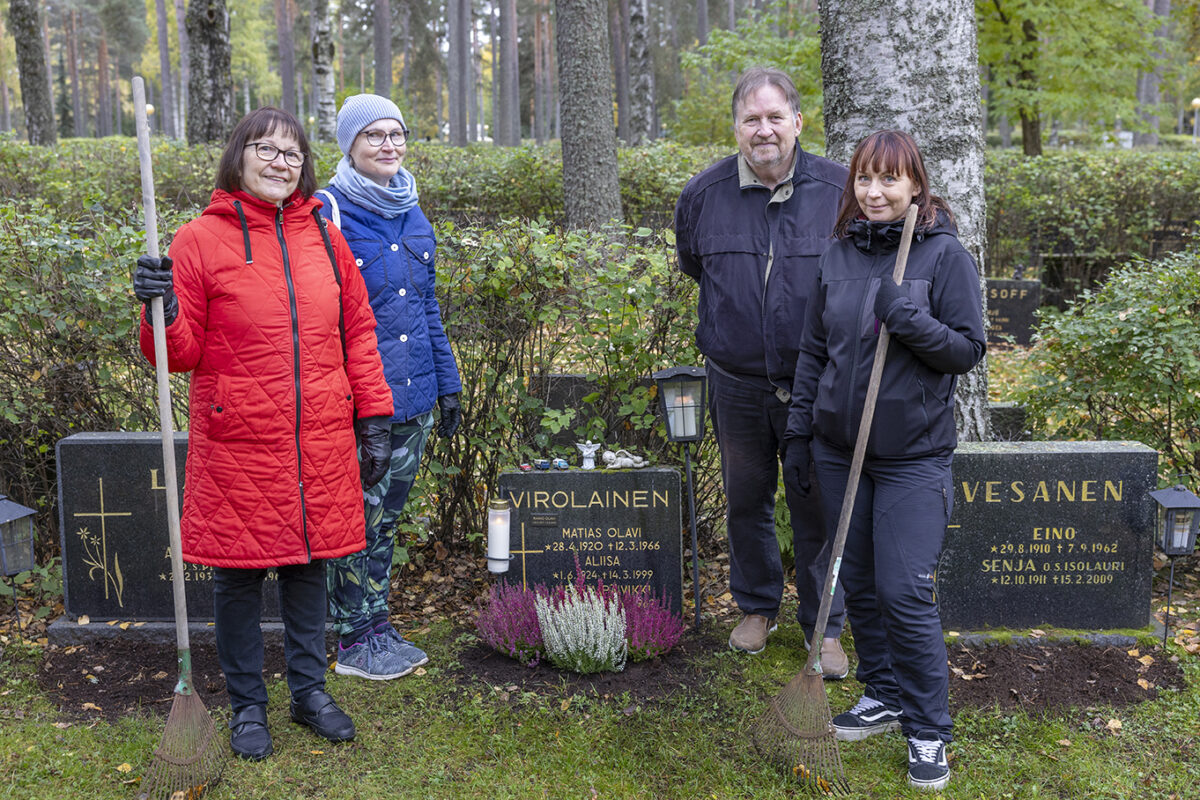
column 359, row 111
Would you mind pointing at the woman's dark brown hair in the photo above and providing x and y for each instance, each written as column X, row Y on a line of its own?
column 255, row 125
column 897, row 153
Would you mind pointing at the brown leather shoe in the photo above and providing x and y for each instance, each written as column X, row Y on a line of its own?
column 750, row 635
column 834, row 663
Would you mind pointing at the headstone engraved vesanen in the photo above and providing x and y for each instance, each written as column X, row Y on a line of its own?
column 1010, row 307
column 113, row 522
column 1057, row 534
column 623, row 525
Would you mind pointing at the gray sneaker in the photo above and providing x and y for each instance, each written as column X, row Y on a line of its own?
column 372, row 660
column 393, row 641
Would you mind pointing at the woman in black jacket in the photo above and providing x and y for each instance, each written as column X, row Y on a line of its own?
column 905, row 493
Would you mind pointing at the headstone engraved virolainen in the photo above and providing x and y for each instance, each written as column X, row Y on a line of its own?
column 623, row 525
column 1010, row 308
column 1057, row 534
column 113, row 523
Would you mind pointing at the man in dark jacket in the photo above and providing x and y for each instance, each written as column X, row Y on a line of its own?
column 750, row 229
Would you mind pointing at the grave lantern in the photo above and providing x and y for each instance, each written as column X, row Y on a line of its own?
column 499, row 523
column 683, row 397
column 682, row 393
column 1178, row 519
column 16, row 537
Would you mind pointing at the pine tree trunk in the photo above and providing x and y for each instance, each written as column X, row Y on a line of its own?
column 538, row 123
column 618, row 32
column 455, row 77
column 921, row 77
column 702, row 21
column 510, row 87
column 322, row 58
column 210, row 118
column 287, row 54
column 166, row 110
column 589, row 145
column 79, row 128
column 383, row 48
column 1148, row 94
column 104, row 114
column 36, row 96
column 641, row 68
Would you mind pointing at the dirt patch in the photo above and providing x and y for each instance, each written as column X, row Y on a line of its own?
column 645, row 681
column 1052, row 678
column 114, row 678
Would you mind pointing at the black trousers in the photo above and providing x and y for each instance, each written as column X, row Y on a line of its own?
column 237, row 609
column 749, row 422
column 895, row 539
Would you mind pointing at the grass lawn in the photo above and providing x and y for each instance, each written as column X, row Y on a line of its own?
column 446, row 735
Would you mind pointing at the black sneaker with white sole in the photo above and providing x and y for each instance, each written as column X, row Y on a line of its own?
column 868, row 717
column 927, row 765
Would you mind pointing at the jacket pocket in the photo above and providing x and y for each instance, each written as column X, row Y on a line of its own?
column 368, row 255
column 420, row 262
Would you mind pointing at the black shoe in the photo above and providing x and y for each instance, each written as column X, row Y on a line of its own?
column 249, row 736
column 318, row 711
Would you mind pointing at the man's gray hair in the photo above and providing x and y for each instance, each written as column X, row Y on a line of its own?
column 755, row 78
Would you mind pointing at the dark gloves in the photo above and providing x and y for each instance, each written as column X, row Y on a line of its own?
column 796, row 462
column 451, row 415
column 153, row 278
column 375, row 448
column 889, row 292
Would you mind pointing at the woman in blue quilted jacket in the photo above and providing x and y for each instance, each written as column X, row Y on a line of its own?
column 373, row 200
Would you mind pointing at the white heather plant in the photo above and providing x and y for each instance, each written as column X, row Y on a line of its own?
column 583, row 631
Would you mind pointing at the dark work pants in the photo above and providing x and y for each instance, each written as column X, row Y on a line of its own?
column 892, row 549
column 749, row 423
column 237, row 609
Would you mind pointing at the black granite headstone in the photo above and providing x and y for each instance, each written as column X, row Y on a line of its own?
column 113, row 522
column 623, row 525
column 1057, row 534
column 1010, row 306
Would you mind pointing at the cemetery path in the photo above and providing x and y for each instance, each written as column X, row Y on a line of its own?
column 120, row 676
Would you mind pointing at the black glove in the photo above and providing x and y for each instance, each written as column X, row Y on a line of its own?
column 375, row 448
column 451, row 415
column 796, row 462
column 889, row 292
column 153, row 278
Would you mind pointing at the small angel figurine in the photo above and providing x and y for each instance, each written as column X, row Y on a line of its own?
column 622, row 459
column 588, row 449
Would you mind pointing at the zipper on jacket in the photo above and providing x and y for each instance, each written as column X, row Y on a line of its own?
column 291, row 287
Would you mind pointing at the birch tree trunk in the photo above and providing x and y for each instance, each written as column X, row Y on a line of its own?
column 185, row 71
column 166, row 98
column 913, row 65
column 589, row 145
column 641, row 69
column 210, row 118
column 36, row 96
column 322, row 59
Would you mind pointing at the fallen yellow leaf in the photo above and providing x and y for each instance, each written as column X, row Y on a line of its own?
column 1064, row 742
column 1147, row 660
column 317, row 752
column 90, row 707
column 124, row 626
column 419, row 671
column 1134, row 653
column 565, row 704
column 1114, row 725
column 1145, row 684
column 84, row 619
column 124, row 768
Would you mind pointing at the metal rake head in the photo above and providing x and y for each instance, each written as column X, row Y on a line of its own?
column 795, row 733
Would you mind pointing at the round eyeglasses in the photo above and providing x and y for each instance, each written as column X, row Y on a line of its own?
column 269, row 152
column 375, row 138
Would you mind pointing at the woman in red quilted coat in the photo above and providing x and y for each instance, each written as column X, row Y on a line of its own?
column 265, row 307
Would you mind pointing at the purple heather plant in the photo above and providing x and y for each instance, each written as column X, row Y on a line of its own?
column 651, row 628
column 510, row 624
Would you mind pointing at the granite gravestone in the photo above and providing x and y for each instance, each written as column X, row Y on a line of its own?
column 623, row 525
column 113, row 525
column 1057, row 534
column 1010, row 307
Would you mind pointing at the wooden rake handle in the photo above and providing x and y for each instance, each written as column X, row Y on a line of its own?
column 813, row 665
column 165, row 420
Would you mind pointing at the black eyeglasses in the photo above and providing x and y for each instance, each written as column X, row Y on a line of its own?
column 269, row 152
column 375, row 138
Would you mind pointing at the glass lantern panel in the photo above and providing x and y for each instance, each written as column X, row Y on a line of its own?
column 1181, row 526
column 683, row 402
column 16, row 545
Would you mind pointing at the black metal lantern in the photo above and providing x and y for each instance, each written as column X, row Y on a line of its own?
column 16, row 537
column 683, row 395
column 1178, row 520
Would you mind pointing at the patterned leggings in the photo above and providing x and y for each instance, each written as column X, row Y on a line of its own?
column 358, row 583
